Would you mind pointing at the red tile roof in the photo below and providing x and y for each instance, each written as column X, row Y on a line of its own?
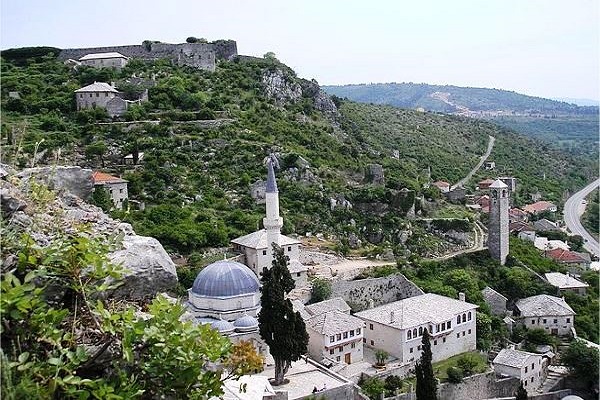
column 101, row 177
column 538, row 207
column 565, row 256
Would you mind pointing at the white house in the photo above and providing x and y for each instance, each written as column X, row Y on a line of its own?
column 530, row 368
column 256, row 246
column 566, row 283
column 114, row 186
column 104, row 60
column 398, row 327
column 335, row 336
column 98, row 94
column 550, row 313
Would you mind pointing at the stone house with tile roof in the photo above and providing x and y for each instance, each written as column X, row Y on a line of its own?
column 566, row 283
column 530, row 368
column 104, row 60
column 398, row 327
column 98, row 94
column 543, row 311
column 114, row 186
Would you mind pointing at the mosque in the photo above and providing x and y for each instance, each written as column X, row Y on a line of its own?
column 226, row 294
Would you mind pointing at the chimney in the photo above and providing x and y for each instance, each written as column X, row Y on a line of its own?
column 371, row 304
column 461, row 296
column 391, row 317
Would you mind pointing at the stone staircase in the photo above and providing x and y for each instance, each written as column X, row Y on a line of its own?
column 555, row 374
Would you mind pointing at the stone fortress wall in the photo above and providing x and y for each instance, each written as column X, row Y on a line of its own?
column 199, row 55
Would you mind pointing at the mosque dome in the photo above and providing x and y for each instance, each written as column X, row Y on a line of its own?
column 245, row 323
column 222, row 326
column 225, row 279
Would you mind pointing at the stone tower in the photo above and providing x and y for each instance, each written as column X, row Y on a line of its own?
column 498, row 224
column 272, row 221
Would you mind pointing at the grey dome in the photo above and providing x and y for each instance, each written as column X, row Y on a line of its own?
column 225, row 279
column 222, row 326
column 571, row 397
column 245, row 323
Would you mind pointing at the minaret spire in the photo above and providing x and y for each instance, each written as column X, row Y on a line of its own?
column 272, row 221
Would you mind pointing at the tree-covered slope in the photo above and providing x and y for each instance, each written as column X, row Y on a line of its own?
column 412, row 95
column 212, row 131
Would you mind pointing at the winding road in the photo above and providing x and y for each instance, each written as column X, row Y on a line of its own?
column 479, row 164
column 574, row 208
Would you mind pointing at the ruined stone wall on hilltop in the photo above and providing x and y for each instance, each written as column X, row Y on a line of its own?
column 199, row 55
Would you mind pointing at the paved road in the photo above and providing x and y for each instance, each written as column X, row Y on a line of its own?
column 574, row 207
column 479, row 164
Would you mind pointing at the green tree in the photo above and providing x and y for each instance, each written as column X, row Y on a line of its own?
column 280, row 327
column 321, row 290
column 381, row 356
column 426, row 381
column 101, row 198
column 484, row 331
column 96, row 149
column 582, row 362
column 521, row 393
column 373, row 387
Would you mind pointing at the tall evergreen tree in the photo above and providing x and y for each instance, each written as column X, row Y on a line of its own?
column 280, row 327
column 426, row 381
column 521, row 393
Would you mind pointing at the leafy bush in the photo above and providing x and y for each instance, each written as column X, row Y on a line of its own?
column 455, row 374
column 321, row 290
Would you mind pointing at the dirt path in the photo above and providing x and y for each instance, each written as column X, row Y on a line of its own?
column 482, row 159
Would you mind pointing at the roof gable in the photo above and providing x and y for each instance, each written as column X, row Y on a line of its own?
column 542, row 305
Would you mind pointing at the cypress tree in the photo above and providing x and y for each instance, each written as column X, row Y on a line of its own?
column 280, row 327
column 426, row 381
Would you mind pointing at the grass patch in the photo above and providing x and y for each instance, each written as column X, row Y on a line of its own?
column 478, row 364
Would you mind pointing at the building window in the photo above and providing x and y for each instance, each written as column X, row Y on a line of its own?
column 340, row 349
column 97, row 94
column 555, row 321
column 419, row 347
column 358, row 331
column 420, row 330
column 532, row 379
column 464, row 318
column 338, row 336
column 353, row 345
column 457, row 335
column 525, row 369
column 298, row 274
column 437, row 328
column 120, row 190
column 458, row 319
column 364, row 340
column 372, row 343
column 449, row 324
column 371, row 326
column 337, row 358
column 463, row 333
column 331, row 339
column 469, row 331
column 264, row 252
column 352, row 333
column 532, row 366
column 105, row 94
column 331, row 351
column 469, row 315
column 525, row 383
column 415, row 332
column 435, row 342
column 345, row 335
column 544, row 320
column 409, row 334
column 289, row 248
column 411, row 349
column 533, row 322
column 444, row 340
column 568, row 320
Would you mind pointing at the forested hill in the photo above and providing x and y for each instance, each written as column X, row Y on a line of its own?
column 211, row 131
column 454, row 99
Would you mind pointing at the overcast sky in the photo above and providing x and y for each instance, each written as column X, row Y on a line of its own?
column 547, row 48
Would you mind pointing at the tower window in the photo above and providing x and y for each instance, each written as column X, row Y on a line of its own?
column 264, row 252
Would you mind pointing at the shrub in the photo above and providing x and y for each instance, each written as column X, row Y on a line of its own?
column 455, row 374
column 321, row 290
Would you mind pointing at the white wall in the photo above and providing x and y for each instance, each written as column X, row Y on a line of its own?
column 320, row 346
column 106, row 62
column 561, row 325
column 93, row 99
column 532, row 374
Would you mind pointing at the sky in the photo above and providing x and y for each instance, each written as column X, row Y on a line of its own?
column 546, row 48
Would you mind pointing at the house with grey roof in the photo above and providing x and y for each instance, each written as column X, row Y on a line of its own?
column 398, row 327
column 98, row 94
column 550, row 313
column 334, row 335
column 566, row 283
column 545, row 225
column 104, row 60
column 530, row 368
column 495, row 300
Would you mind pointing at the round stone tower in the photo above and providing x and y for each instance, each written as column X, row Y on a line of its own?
column 498, row 224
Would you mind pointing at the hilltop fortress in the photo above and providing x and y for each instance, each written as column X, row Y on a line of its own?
column 198, row 55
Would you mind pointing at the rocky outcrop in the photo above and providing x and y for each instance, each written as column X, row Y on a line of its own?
column 47, row 216
column 280, row 87
column 148, row 268
column 73, row 180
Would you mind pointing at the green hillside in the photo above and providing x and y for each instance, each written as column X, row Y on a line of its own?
column 216, row 128
column 412, row 95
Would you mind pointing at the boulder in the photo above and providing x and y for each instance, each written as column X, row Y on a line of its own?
column 281, row 88
column 73, row 180
column 10, row 203
column 148, row 268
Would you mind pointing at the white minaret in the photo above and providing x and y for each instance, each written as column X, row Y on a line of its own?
column 498, row 224
column 272, row 221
